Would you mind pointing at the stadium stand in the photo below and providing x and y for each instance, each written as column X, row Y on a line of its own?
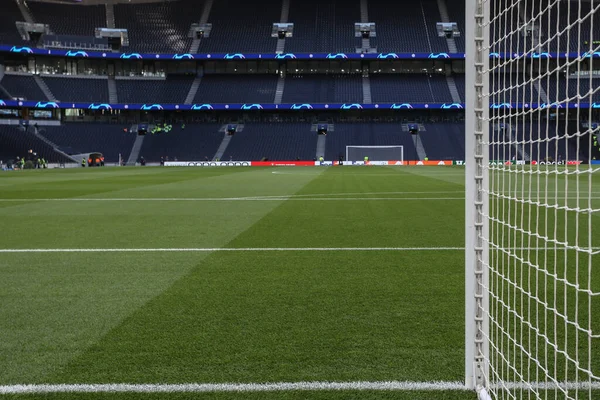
column 172, row 90
column 444, row 141
column 334, row 88
column 324, row 26
column 158, row 27
column 456, row 12
column 22, row 86
column 274, row 141
column 67, row 19
column 78, row 90
column 194, row 143
column 406, row 26
column 77, row 138
column 16, row 142
column 233, row 88
column 8, row 30
column 368, row 134
column 409, row 88
column 238, row 27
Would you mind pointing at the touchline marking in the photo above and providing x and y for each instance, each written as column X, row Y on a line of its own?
column 257, row 249
column 281, row 387
column 231, row 387
column 216, row 199
column 230, row 249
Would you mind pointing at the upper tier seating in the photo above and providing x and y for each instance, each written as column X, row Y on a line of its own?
column 341, row 88
column 324, row 26
column 365, row 134
column 9, row 14
column 158, row 27
column 78, row 90
column 231, row 88
column 275, row 141
column 21, row 86
column 108, row 139
column 194, row 143
column 66, row 19
column 409, row 88
column 238, row 27
column 172, row 90
column 406, row 26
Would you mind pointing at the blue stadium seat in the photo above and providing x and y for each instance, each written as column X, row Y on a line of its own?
column 194, row 143
column 411, row 88
column 233, row 88
column 22, row 86
column 172, row 90
column 78, row 90
column 334, row 88
column 68, row 19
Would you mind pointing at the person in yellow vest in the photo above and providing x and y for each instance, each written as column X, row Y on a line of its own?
column 366, row 160
column 321, row 159
column 83, row 162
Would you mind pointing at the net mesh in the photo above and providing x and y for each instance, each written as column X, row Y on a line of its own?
column 544, row 200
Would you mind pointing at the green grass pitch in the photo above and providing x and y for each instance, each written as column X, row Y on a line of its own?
column 155, row 317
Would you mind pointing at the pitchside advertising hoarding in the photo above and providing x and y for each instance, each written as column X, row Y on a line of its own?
column 357, row 163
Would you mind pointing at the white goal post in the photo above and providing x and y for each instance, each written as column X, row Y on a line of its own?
column 532, row 211
column 375, row 153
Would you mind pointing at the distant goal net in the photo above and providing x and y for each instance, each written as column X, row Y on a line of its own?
column 375, row 153
column 533, row 199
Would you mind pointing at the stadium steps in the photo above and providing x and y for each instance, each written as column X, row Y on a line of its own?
column 135, row 150
column 508, row 135
column 4, row 94
column 446, row 18
column 280, row 48
column 113, row 98
column 223, row 146
column 419, row 147
column 364, row 11
column 453, row 89
column 285, row 11
column 25, row 12
column 44, row 88
column 203, row 20
column 541, row 91
column 366, row 89
column 321, row 143
column 35, row 131
column 110, row 15
column 189, row 99
column 2, row 70
column 279, row 90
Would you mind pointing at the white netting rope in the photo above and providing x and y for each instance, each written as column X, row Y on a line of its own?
column 544, row 210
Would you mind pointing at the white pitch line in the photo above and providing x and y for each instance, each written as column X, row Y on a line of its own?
column 281, row 387
column 286, row 198
column 231, row 387
column 229, row 249
column 257, row 249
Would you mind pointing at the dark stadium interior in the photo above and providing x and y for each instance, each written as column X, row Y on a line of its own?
column 238, row 27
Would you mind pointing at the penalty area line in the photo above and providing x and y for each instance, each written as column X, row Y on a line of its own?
column 232, row 387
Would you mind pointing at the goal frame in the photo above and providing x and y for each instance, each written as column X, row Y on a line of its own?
column 378, row 147
column 477, row 34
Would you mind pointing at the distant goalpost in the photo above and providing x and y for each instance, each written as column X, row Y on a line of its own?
column 532, row 244
column 375, row 153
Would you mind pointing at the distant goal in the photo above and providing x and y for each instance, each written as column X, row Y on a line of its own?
column 375, row 153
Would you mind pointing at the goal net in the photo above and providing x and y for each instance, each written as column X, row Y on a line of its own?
column 375, row 153
column 533, row 199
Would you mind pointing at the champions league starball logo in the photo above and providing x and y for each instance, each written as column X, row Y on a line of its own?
column 285, row 56
column 234, row 56
column 50, row 104
column 336, row 55
column 251, row 107
column 201, row 107
column 102, row 106
column 76, row 53
column 387, row 55
column 16, row 49
column 151, row 107
column 354, row 106
column 127, row 56
column 439, row 55
column 185, row 56
column 501, row 105
column 304, row 106
column 456, row 106
column 403, row 106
